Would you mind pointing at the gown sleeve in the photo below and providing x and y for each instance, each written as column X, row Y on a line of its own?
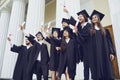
column 46, row 54
column 77, row 53
column 82, row 37
column 48, row 40
column 110, row 44
column 16, row 49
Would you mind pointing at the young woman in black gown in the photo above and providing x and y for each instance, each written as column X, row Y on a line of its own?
column 54, row 42
column 68, row 55
column 102, row 51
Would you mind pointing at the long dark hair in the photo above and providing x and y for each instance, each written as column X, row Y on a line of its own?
column 63, row 43
column 86, row 18
column 99, row 25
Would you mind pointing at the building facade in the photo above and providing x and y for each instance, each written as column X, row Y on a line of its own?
column 35, row 12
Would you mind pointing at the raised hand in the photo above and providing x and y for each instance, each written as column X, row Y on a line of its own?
column 9, row 37
column 58, row 48
column 22, row 27
column 112, row 57
column 47, row 34
column 65, row 9
column 41, row 29
column 75, row 29
column 49, row 27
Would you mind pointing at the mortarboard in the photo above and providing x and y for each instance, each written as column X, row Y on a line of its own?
column 56, row 29
column 30, row 36
column 83, row 12
column 100, row 15
column 66, row 20
column 40, row 34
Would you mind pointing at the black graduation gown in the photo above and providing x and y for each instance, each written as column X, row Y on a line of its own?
column 100, row 63
column 54, row 54
column 68, row 59
column 73, row 36
column 82, row 39
column 36, row 48
column 110, row 43
column 22, row 61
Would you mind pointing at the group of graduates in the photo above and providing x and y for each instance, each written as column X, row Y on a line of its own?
column 87, row 42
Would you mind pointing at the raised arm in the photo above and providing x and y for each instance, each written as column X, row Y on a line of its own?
column 14, row 48
column 27, row 35
column 17, row 49
column 72, row 20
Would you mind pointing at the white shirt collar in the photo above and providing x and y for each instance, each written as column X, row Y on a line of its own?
column 67, row 40
column 40, row 42
column 28, row 47
column 97, row 28
column 84, row 24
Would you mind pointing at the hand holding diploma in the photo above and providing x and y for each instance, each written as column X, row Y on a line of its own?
column 9, row 39
column 65, row 10
column 22, row 26
column 49, row 27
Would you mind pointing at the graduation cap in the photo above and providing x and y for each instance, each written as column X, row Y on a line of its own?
column 83, row 12
column 56, row 29
column 30, row 36
column 40, row 34
column 99, row 14
column 66, row 20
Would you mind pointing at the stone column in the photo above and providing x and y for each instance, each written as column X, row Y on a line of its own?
column 17, row 17
column 4, row 23
column 35, row 16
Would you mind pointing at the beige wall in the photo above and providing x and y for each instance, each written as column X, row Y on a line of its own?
column 50, row 12
column 87, row 5
column 103, row 6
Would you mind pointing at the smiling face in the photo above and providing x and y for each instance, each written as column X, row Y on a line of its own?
column 55, row 34
column 95, row 19
column 66, row 33
column 81, row 18
column 64, row 24
column 39, row 37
